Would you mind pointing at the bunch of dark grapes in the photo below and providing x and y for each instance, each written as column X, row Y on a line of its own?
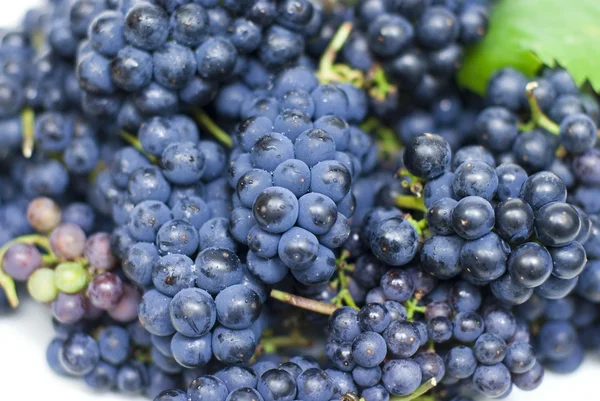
column 292, row 169
column 108, row 355
column 449, row 252
column 143, row 59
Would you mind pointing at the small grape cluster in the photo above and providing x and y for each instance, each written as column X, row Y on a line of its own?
column 144, row 59
column 108, row 356
column 75, row 272
column 292, row 170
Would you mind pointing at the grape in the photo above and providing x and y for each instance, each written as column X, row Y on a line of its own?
column 237, row 307
column 531, row 379
column 394, row 241
column 439, row 216
column 216, row 233
column 70, row 277
column 43, row 214
column 276, row 384
column 500, row 322
column 485, row 258
column 428, row 156
column 114, row 344
column 489, row 349
column 41, row 286
column 105, row 291
column 233, row 346
column 97, row 251
column 514, row 220
column 79, row 354
column 401, row 376
column 402, row 339
column 460, row 362
column 21, row 260
column 314, row 385
column 520, row 357
column 557, row 224
column 492, row 380
column 132, row 378
column 68, row 241
column 276, row 210
column 472, row 217
column 69, row 308
column 530, row 265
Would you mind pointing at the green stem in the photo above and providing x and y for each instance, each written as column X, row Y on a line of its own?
column 135, row 142
column 412, row 307
column 216, row 131
column 411, row 203
column 331, row 72
column 303, row 303
column 342, row 264
column 270, row 345
column 421, row 390
column 6, row 282
column 27, row 126
column 419, row 225
column 537, row 115
column 381, row 87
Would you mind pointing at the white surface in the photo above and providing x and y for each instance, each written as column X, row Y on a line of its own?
column 24, row 375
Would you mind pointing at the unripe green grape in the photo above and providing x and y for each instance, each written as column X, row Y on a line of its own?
column 41, row 285
column 70, row 277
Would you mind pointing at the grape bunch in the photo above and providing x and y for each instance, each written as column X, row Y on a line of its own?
column 143, row 59
column 271, row 200
column 74, row 272
column 108, row 356
column 292, row 171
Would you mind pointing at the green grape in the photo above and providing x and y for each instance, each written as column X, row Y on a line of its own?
column 41, row 285
column 70, row 277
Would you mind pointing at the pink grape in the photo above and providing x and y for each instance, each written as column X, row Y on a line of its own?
column 67, row 241
column 43, row 214
column 105, row 291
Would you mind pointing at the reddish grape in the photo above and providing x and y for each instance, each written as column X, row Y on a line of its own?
column 67, row 241
column 105, row 291
column 43, row 214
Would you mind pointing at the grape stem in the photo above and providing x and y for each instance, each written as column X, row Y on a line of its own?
column 27, row 127
column 342, row 262
column 419, row 225
column 6, row 282
column 207, row 123
column 331, row 72
column 303, row 303
column 412, row 307
column 537, row 115
column 380, row 86
column 387, row 140
column 135, row 142
column 270, row 345
column 411, row 203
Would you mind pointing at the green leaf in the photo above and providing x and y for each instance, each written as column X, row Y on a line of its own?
column 526, row 34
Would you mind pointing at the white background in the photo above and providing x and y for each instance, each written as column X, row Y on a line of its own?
column 24, row 375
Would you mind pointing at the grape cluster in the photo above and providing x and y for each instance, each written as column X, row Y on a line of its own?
column 353, row 204
column 76, row 273
column 108, row 356
column 292, row 171
column 143, row 59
